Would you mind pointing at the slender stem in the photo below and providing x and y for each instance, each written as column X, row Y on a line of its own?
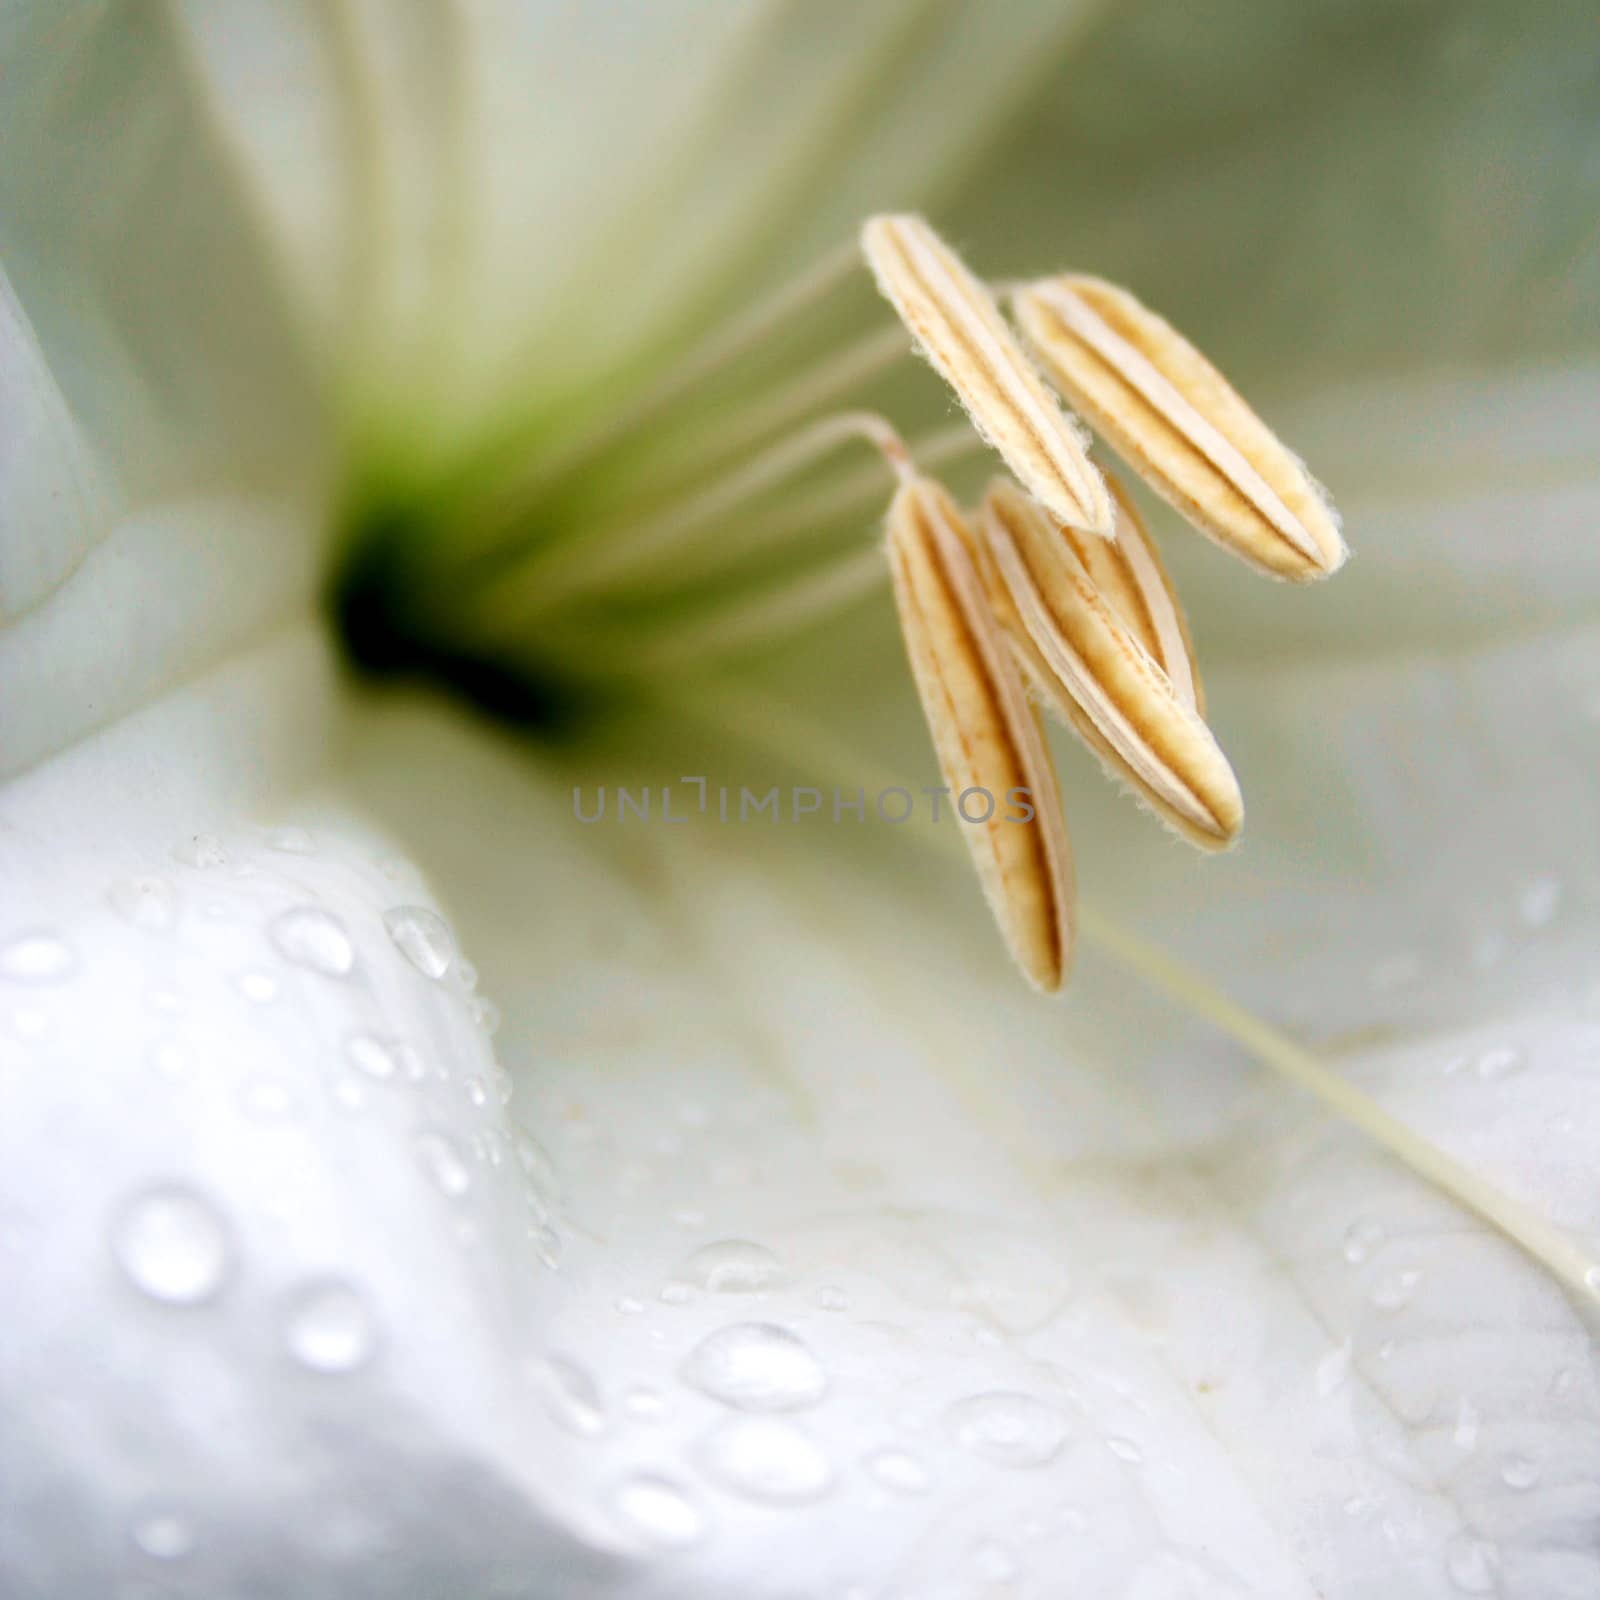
column 770, row 618
column 723, row 346
column 544, row 583
column 820, row 386
column 791, row 735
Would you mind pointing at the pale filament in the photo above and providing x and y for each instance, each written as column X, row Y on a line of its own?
column 546, row 583
column 792, row 736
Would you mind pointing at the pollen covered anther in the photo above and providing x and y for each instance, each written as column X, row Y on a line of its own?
column 986, row 733
column 1180, row 425
column 956, row 324
column 1092, row 668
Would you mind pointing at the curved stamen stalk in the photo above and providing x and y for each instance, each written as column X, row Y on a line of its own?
column 721, row 348
column 770, row 618
column 822, row 385
column 793, row 737
column 545, row 583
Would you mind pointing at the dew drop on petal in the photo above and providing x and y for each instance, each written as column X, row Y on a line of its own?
column 1518, row 1472
column 732, row 1266
column 260, row 988
column 1007, row 1429
column 292, row 841
column 1124, row 1449
column 569, row 1395
column 1540, row 901
column 658, row 1510
column 767, row 1460
column 1471, row 1564
column 370, row 1055
column 992, row 1563
column 330, row 1328
column 1360, row 1240
column 756, row 1366
column 162, row 1534
column 1395, row 1289
column 314, row 939
column 148, row 903
column 442, row 1161
column 1465, row 1433
column 1499, row 1062
column 265, row 1099
column 172, row 1245
column 201, row 850
column 899, row 1472
column 830, row 1297
column 423, row 937
column 1333, row 1370
column 645, row 1404
column 36, row 958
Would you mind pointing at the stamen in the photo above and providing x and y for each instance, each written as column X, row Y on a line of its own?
column 959, row 328
column 774, row 617
column 722, row 347
column 796, row 738
column 823, row 385
column 1173, row 417
column 547, row 582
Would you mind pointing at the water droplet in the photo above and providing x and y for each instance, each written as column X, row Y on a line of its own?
column 756, row 1366
column 1007, row 1429
column 1518, row 1472
column 292, row 841
column 645, row 1404
column 1471, row 1564
column 1500, row 1062
column 487, row 1015
column 36, row 958
column 569, row 1395
column 259, row 988
column 1360, row 1240
column 675, row 1292
column 1591, row 1280
column 201, row 850
column 265, row 1099
column 477, row 1091
column 1395, row 1289
column 629, row 1305
column 1540, row 901
column 832, row 1298
column 658, row 1510
column 443, row 1163
column 1465, row 1434
column 370, row 1055
column 547, row 1244
column 314, row 939
column 163, row 1535
column 172, row 1245
column 423, row 937
column 767, row 1460
column 733, row 1266
column 993, row 1563
column 330, row 1328
column 898, row 1472
column 1124, row 1449
column 148, row 903
column 1333, row 1370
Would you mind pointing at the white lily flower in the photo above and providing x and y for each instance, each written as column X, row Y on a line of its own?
column 779, row 1241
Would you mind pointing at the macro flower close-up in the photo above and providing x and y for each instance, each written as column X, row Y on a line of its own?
column 798, row 798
